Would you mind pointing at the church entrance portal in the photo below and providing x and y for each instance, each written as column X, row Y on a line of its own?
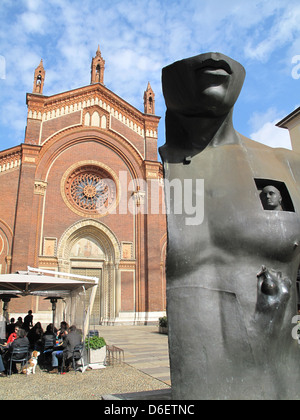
column 89, row 248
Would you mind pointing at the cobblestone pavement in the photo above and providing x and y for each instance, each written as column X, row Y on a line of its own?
column 144, row 348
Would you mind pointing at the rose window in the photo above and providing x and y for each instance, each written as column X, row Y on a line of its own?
column 91, row 189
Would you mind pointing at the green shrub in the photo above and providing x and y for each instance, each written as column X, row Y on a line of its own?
column 94, row 342
column 163, row 321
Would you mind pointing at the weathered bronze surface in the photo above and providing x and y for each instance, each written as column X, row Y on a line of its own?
column 231, row 274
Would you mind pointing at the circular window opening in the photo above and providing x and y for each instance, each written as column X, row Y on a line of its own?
column 91, row 189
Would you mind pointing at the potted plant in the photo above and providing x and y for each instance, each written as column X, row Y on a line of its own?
column 96, row 346
column 163, row 325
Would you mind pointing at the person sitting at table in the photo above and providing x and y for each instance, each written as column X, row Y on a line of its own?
column 5, row 346
column 19, row 322
column 20, row 341
column 49, row 334
column 48, row 343
column 72, row 339
column 13, row 335
column 57, row 354
column 49, row 338
column 63, row 331
column 35, row 336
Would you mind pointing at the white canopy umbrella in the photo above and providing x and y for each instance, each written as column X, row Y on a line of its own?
column 39, row 282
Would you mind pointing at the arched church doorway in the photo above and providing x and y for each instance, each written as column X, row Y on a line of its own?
column 87, row 259
column 90, row 248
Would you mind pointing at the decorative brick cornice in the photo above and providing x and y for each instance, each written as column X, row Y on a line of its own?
column 45, row 108
column 127, row 265
column 10, row 159
column 48, row 262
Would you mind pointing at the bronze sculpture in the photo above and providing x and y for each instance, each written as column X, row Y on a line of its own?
column 231, row 275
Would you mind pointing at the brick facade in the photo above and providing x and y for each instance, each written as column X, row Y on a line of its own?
column 47, row 223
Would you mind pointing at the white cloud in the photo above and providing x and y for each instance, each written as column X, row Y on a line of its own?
column 272, row 136
column 259, row 119
column 285, row 30
column 33, row 22
column 21, row 71
column 137, row 38
column 264, row 130
column 33, row 4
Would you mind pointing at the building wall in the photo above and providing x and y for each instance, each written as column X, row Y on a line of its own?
column 292, row 123
column 9, row 181
column 68, row 135
column 295, row 136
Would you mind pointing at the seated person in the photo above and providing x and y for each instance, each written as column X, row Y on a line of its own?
column 48, row 342
column 49, row 339
column 19, row 322
column 35, row 336
column 20, row 341
column 13, row 335
column 49, row 334
column 5, row 346
column 72, row 339
column 63, row 331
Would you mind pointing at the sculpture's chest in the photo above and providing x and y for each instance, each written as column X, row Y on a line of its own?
column 233, row 218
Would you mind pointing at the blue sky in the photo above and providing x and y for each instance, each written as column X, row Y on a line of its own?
column 139, row 37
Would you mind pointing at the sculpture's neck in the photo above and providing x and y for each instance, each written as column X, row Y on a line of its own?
column 198, row 132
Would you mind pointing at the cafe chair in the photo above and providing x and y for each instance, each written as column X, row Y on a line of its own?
column 18, row 355
column 47, row 350
column 77, row 355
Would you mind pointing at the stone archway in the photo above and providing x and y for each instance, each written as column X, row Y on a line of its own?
column 100, row 256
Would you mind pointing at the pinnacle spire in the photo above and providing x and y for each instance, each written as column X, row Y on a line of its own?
column 149, row 101
column 97, row 68
column 39, row 77
column 98, row 52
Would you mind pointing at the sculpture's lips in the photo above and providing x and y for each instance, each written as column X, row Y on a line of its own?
column 215, row 66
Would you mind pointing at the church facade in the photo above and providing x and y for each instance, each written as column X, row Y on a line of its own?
column 83, row 195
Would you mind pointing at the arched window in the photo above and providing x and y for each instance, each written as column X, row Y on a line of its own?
column 103, row 121
column 98, row 73
column 38, row 83
column 150, row 102
column 95, row 122
column 87, row 119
